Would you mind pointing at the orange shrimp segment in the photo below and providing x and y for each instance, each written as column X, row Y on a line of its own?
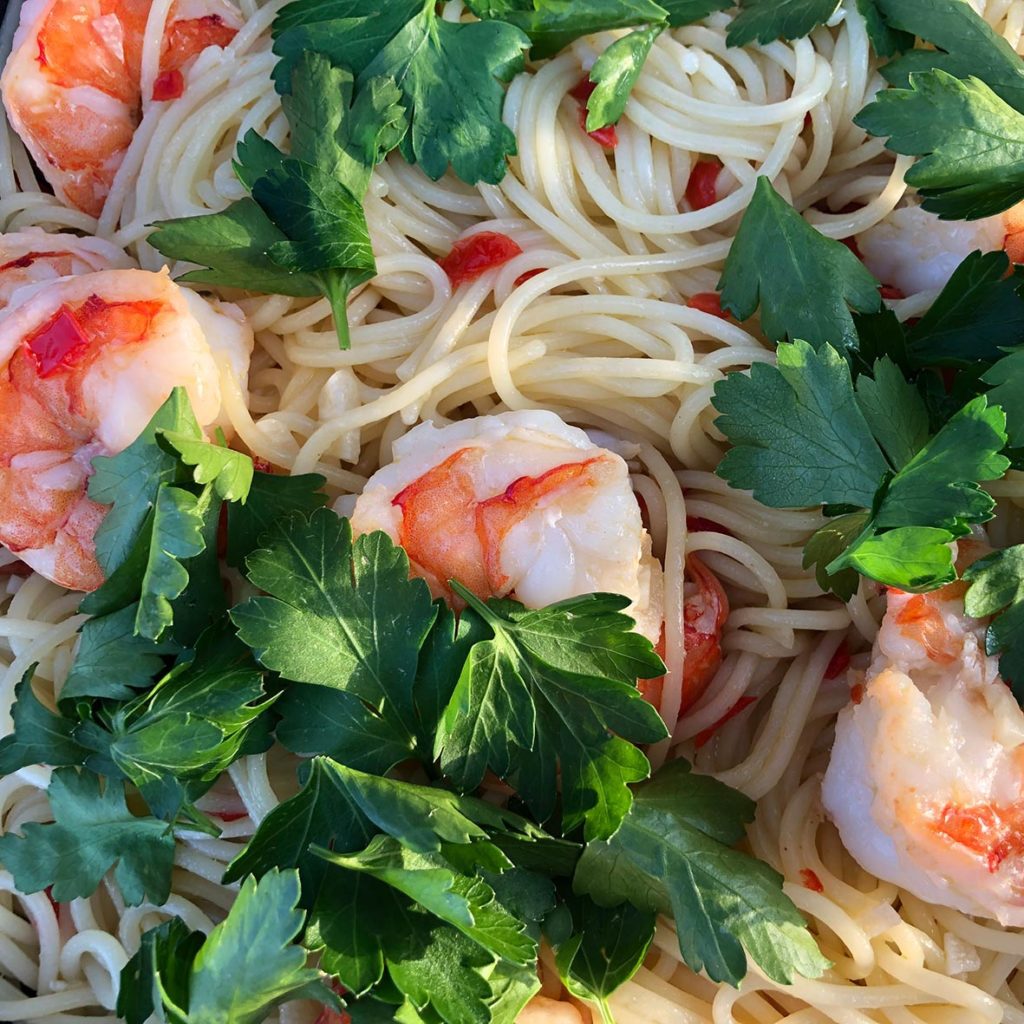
column 705, row 610
column 452, row 535
column 921, row 620
column 73, row 88
column 496, row 516
column 438, row 528
column 993, row 833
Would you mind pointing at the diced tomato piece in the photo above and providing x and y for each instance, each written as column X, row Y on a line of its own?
column 811, row 880
column 839, row 662
column 530, row 274
column 58, row 343
column 473, row 256
column 705, row 735
column 169, row 85
column 701, row 189
column 708, row 302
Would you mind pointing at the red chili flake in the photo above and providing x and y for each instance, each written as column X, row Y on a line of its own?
column 705, row 735
column 857, row 693
column 708, row 302
column 811, row 880
column 227, row 816
column 42, row 51
column 888, row 291
column 948, row 374
column 261, row 465
column 169, row 85
column 840, row 661
column 523, row 278
column 701, row 189
column 18, row 568
column 698, row 524
column 58, row 343
column 581, row 92
column 473, row 256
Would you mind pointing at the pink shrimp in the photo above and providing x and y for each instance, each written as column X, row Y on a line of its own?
column 73, row 84
column 926, row 778
column 32, row 256
column 87, row 361
column 517, row 504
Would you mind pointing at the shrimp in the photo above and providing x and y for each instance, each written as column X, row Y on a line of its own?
column 914, row 251
column 73, row 84
column 32, row 256
column 519, row 504
column 705, row 610
column 926, row 777
column 88, row 360
column 542, row 1010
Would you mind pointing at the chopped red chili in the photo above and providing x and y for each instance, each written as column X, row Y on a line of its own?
column 839, row 662
column 58, row 343
column 699, row 524
column 857, row 693
column 473, row 256
column 888, row 291
column 169, row 85
column 702, row 188
column 708, row 302
column 523, row 278
column 705, row 735
column 28, row 259
column 811, row 880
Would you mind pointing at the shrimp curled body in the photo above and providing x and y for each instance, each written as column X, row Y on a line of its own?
column 518, row 504
column 73, row 84
column 926, row 778
column 85, row 362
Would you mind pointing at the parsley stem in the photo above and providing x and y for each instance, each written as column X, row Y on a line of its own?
column 336, row 290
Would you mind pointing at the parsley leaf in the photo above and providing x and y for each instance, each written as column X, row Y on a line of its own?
column 338, row 614
column 615, row 72
column 93, row 831
column 1007, row 376
column 464, row 901
column 605, row 947
column 764, row 21
column 997, row 588
column 971, row 143
column 554, row 24
column 341, row 808
column 886, row 40
column 777, row 260
column 802, row 437
column 799, row 436
column 165, row 491
column 967, row 46
column 237, row 974
column 555, row 687
column 112, row 661
column 174, row 741
column 451, row 75
column 272, row 497
column 39, row 736
column 978, row 314
column 673, row 855
column 304, row 231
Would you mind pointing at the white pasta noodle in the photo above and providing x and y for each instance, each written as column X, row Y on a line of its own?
column 602, row 336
